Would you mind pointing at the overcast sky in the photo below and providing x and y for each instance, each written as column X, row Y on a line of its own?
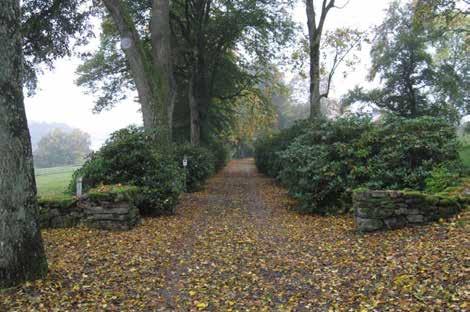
column 58, row 99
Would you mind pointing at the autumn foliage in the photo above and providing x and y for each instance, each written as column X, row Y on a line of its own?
column 235, row 247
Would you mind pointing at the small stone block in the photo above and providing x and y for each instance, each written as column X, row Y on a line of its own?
column 415, row 218
column 369, row 225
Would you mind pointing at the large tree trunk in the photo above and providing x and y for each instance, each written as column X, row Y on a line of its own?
column 199, row 99
column 315, row 97
column 21, row 250
column 314, row 53
column 153, row 77
column 135, row 55
column 195, row 120
column 163, row 60
column 202, row 94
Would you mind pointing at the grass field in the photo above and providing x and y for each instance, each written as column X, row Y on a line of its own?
column 53, row 181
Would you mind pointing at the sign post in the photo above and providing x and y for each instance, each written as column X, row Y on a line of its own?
column 79, row 187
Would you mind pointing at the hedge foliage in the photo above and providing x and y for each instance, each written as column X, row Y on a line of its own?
column 221, row 153
column 267, row 148
column 128, row 157
column 200, row 165
column 322, row 161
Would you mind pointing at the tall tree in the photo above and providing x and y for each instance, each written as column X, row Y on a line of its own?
column 21, row 250
column 442, row 14
column 446, row 25
column 152, row 70
column 315, row 32
column 421, row 73
column 219, row 46
column 208, row 32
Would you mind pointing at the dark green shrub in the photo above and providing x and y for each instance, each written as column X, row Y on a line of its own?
column 320, row 167
column 221, row 153
column 200, row 165
column 267, row 148
column 403, row 152
column 160, row 188
column 321, row 161
column 128, row 157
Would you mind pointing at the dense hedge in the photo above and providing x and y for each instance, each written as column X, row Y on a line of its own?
column 128, row 157
column 200, row 165
column 267, row 148
column 221, row 153
column 322, row 165
column 322, row 161
column 402, row 152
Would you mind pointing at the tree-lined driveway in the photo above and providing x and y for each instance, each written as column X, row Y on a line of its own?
column 237, row 247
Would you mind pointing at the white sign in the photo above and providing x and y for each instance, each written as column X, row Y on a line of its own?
column 185, row 161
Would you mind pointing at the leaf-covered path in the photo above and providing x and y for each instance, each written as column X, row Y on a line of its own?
column 236, row 247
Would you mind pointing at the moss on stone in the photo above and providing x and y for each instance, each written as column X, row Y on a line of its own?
column 61, row 201
column 418, row 207
column 414, row 194
column 113, row 193
column 448, row 201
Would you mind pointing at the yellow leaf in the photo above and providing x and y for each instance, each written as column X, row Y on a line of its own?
column 192, row 293
column 201, row 305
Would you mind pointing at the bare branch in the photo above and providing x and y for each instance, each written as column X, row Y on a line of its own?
column 338, row 60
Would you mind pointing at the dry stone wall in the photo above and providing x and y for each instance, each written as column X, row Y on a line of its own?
column 62, row 213
column 106, row 215
column 381, row 210
column 110, row 215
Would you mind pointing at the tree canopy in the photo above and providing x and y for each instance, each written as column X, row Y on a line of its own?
column 219, row 50
column 50, row 30
column 421, row 73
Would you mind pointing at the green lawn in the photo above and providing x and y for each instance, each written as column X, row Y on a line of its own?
column 53, row 181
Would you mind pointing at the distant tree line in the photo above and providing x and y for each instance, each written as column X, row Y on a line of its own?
column 61, row 148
